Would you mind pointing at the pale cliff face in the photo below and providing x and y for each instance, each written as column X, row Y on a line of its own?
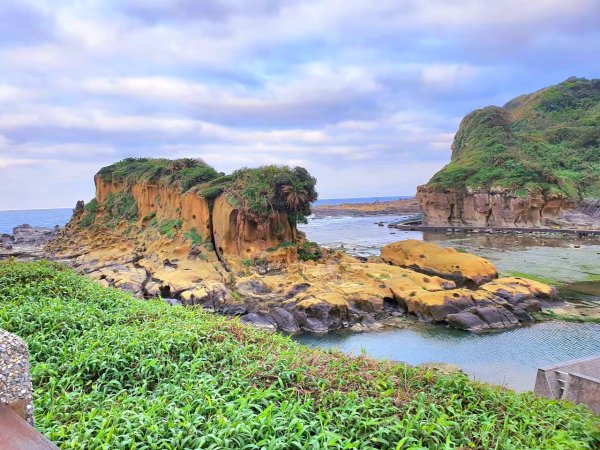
column 457, row 207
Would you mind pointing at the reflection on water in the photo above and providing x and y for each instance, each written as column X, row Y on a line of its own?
column 508, row 358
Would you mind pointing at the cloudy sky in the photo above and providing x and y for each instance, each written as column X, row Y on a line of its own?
column 366, row 94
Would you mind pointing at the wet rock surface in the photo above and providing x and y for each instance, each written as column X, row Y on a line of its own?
column 26, row 242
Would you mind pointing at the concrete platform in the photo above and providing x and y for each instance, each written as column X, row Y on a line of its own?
column 577, row 381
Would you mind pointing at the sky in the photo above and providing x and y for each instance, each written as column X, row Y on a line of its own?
column 366, row 95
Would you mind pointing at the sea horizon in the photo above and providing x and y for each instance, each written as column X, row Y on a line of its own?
column 49, row 217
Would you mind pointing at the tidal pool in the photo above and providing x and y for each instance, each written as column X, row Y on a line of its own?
column 508, row 358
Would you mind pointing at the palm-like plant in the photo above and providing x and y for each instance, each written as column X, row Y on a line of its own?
column 295, row 195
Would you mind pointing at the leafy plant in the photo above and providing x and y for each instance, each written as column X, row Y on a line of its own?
column 193, row 236
column 169, row 227
column 309, row 251
column 111, row 371
column 89, row 213
column 120, row 207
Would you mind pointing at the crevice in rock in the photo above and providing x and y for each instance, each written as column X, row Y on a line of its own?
column 211, row 205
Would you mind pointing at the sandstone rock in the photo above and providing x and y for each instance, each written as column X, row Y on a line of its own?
column 285, row 320
column 466, row 321
column 237, row 234
column 152, row 289
column 492, row 208
column 517, row 289
column 426, row 257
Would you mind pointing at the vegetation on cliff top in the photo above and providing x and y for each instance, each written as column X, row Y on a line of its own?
column 259, row 192
column 111, row 371
column 548, row 141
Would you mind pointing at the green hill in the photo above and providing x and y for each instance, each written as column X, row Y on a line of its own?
column 546, row 141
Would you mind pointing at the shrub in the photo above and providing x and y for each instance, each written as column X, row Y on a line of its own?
column 89, row 213
column 111, row 371
column 169, row 227
column 120, row 207
column 309, row 251
column 193, row 236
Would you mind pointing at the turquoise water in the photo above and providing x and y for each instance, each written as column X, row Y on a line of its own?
column 509, row 358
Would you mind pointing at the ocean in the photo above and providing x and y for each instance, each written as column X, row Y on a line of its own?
column 60, row 216
column 34, row 217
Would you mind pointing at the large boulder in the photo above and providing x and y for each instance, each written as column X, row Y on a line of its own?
column 464, row 268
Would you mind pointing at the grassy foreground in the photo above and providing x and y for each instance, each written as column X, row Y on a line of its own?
column 110, row 371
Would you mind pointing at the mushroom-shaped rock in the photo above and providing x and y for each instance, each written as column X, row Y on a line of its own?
column 426, row 257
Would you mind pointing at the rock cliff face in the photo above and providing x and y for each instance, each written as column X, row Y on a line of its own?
column 215, row 245
column 535, row 162
column 493, row 208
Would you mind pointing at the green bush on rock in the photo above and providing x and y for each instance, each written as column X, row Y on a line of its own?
column 547, row 141
column 114, row 372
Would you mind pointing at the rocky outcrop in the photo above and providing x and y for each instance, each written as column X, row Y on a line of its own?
column 239, row 234
column 26, row 242
column 494, row 208
column 531, row 163
column 148, row 237
column 426, row 257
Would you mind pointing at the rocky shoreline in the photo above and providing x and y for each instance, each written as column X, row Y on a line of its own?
column 410, row 279
column 394, row 207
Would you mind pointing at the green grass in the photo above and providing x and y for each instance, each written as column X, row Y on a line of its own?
column 551, row 315
column 186, row 172
column 119, row 207
column 89, row 213
column 169, row 227
column 193, row 236
column 114, row 372
column 548, row 141
column 541, row 279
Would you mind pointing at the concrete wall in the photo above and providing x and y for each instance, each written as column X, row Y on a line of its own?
column 15, row 383
column 580, row 380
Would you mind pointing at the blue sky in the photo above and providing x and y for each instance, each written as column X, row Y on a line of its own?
column 366, row 95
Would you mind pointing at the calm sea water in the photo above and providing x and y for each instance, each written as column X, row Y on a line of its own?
column 509, row 358
column 34, row 217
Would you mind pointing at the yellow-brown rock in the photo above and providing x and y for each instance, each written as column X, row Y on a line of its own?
column 430, row 258
column 509, row 287
column 239, row 234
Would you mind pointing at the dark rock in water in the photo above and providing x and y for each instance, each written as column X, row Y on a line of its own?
column 258, row 321
column 285, row 320
column 496, row 317
column 466, row 321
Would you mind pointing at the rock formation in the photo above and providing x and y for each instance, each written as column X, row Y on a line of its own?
column 230, row 244
column 532, row 163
